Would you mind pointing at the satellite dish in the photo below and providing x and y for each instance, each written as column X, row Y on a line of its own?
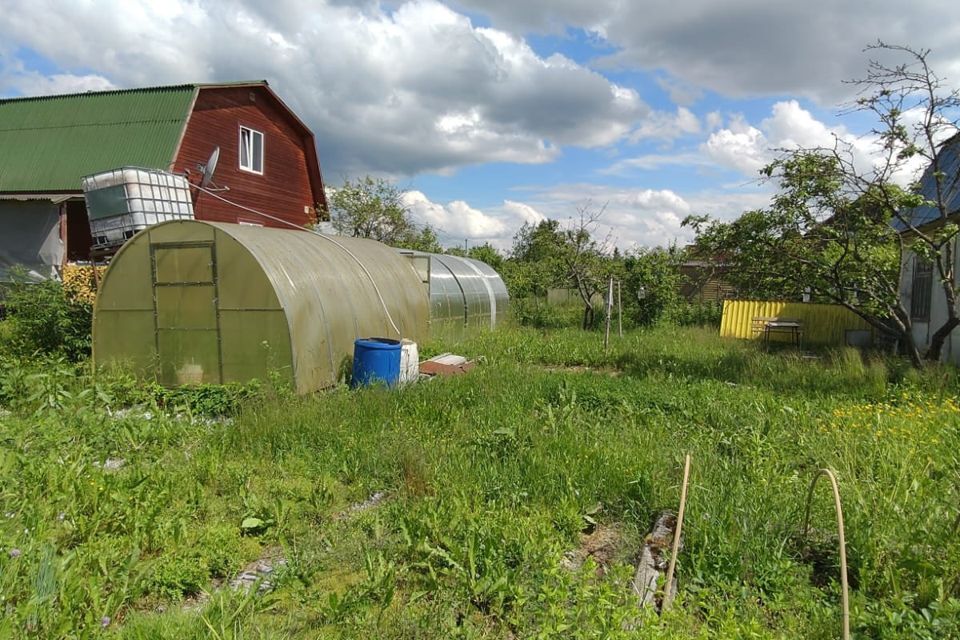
column 209, row 168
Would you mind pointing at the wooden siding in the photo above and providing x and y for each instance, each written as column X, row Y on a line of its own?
column 284, row 190
column 704, row 283
column 822, row 323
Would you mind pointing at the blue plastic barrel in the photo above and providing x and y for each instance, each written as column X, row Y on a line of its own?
column 376, row 360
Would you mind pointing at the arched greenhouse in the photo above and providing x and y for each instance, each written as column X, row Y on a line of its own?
column 192, row 302
column 188, row 302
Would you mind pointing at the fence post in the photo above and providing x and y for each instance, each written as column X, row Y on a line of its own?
column 619, row 310
column 606, row 335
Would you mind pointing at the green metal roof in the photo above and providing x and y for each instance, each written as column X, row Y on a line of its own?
column 49, row 143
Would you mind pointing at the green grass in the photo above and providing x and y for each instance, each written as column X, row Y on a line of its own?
column 488, row 478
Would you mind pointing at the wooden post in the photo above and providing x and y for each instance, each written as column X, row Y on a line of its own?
column 606, row 336
column 619, row 310
column 64, row 236
column 677, row 532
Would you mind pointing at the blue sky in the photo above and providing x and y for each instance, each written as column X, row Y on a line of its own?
column 493, row 113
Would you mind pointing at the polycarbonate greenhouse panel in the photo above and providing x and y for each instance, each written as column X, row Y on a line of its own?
column 496, row 287
column 465, row 294
column 448, row 312
column 475, row 293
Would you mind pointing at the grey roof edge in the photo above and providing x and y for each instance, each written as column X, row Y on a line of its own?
column 56, row 198
column 169, row 87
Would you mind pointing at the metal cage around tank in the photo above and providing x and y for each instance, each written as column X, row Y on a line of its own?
column 207, row 302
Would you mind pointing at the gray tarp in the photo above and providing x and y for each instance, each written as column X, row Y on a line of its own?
column 30, row 237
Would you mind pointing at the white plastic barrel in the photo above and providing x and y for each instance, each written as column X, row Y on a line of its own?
column 409, row 361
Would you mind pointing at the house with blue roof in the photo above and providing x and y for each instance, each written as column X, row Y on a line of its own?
column 919, row 286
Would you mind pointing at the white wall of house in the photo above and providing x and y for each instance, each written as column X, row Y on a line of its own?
column 923, row 330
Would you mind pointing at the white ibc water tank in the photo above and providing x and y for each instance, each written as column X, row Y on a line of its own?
column 409, row 361
column 123, row 201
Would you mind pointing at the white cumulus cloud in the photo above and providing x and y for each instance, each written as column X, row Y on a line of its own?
column 739, row 146
column 747, row 148
column 455, row 219
column 743, row 47
column 399, row 89
column 666, row 126
column 522, row 211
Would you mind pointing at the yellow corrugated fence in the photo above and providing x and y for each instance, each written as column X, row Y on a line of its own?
column 822, row 323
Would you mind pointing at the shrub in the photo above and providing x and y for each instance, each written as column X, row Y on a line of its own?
column 536, row 312
column 696, row 314
column 651, row 287
column 43, row 318
column 180, row 575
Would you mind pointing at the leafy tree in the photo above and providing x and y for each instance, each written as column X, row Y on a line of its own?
column 487, row 253
column 535, row 264
column 484, row 253
column 548, row 254
column 651, row 283
column 585, row 260
column 422, row 239
column 374, row 208
column 918, row 114
column 828, row 229
column 819, row 236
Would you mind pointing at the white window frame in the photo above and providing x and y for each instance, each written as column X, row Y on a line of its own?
column 250, row 147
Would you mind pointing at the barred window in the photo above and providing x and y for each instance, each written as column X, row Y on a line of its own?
column 921, row 289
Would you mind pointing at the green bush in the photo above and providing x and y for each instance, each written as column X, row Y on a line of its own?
column 41, row 318
column 180, row 575
column 695, row 314
column 651, row 286
column 536, row 312
column 207, row 399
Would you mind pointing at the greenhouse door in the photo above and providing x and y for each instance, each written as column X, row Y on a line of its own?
column 186, row 313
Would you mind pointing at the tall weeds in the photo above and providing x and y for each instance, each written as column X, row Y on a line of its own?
column 488, row 480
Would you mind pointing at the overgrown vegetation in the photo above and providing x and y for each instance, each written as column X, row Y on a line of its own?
column 130, row 521
column 549, row 255
column 842, row 228
column 44, row 318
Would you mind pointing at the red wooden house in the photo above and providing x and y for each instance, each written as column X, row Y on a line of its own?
column 268, row 160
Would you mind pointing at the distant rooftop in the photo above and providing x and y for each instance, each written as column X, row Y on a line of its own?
column 949, row 160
